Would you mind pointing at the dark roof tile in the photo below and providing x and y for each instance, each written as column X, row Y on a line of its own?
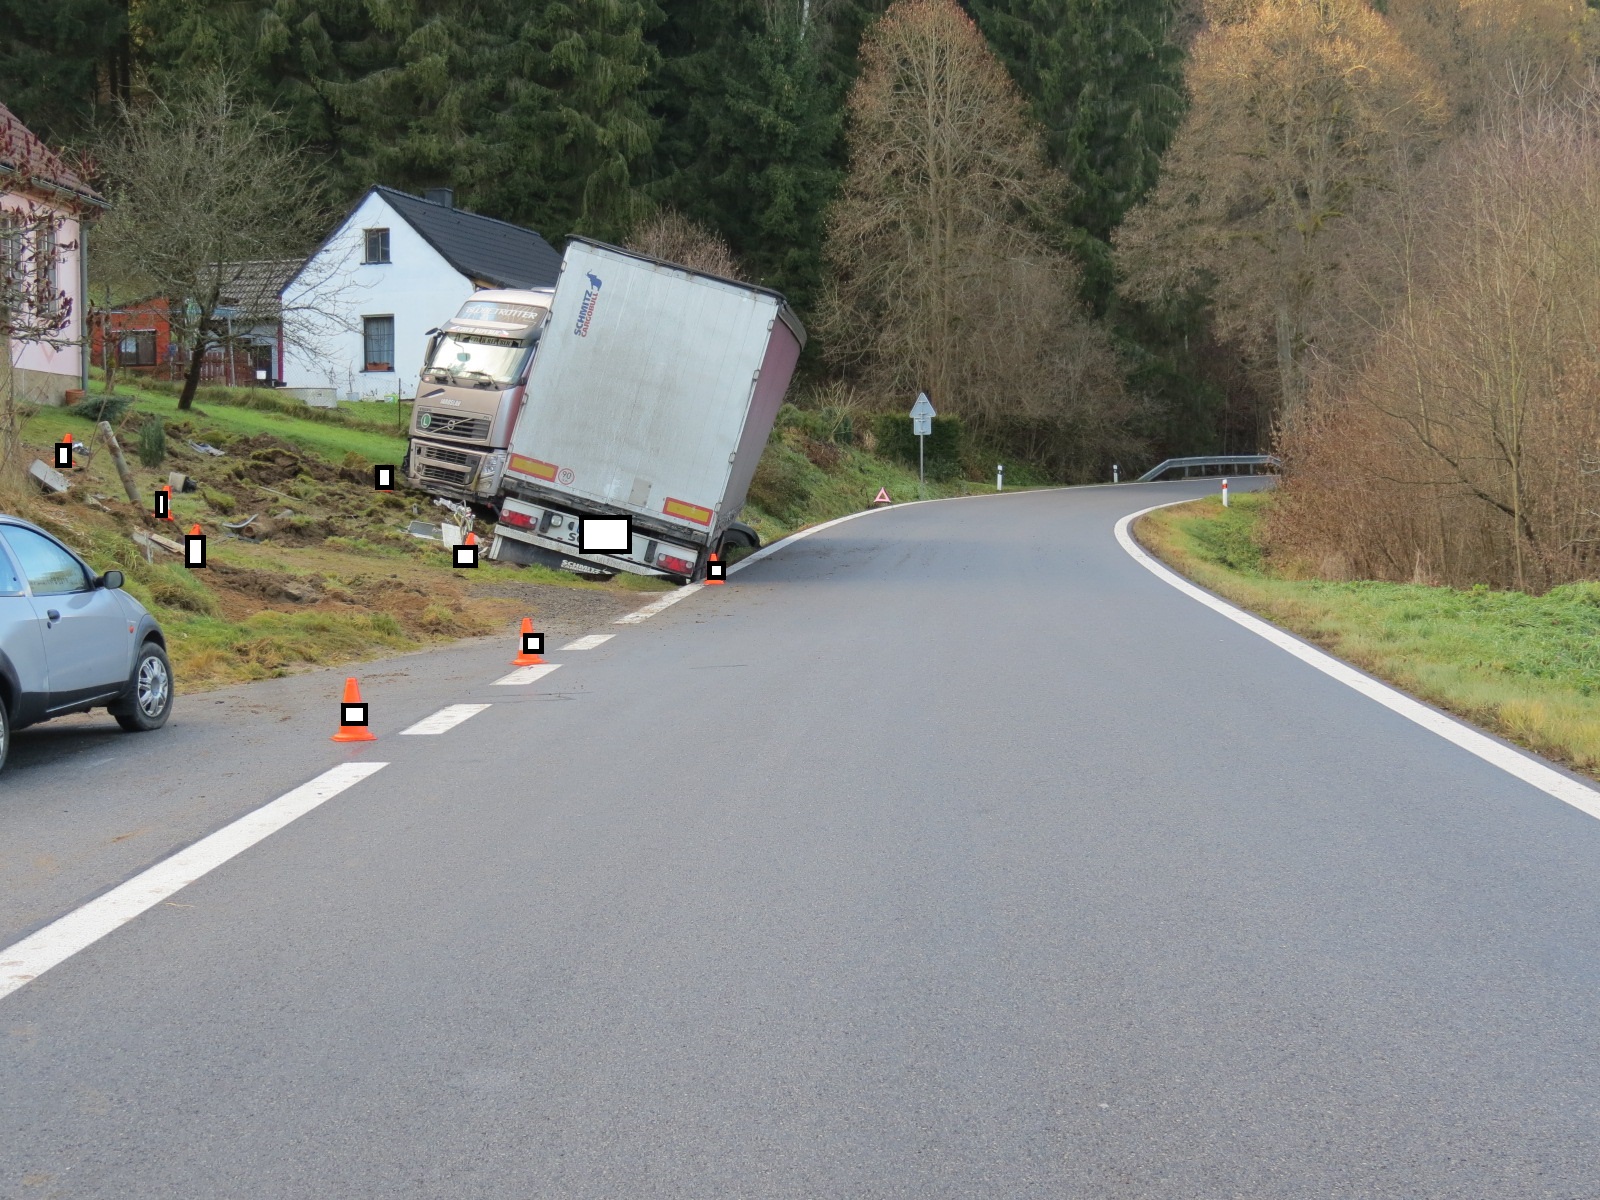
column 480, row 247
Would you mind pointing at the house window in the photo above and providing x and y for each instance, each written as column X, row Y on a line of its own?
column 136, row 348
column 10, row 253
column 377, row 246
column 378, row 339
column 46, row 258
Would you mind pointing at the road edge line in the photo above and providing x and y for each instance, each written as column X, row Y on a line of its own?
column 1518, row 763
column 24, row 961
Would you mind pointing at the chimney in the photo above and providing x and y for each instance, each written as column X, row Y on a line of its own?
column 444, row 197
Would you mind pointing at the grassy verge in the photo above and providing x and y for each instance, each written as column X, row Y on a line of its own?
column 803, row 480
column 335, row 577
column 1526, row 667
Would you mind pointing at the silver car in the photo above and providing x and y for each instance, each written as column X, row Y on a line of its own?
column 72, row 640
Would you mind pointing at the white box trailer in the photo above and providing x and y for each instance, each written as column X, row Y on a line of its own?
column 647, row 408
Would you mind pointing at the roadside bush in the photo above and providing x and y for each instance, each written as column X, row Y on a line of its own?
column 110, row 409
column 152, row 443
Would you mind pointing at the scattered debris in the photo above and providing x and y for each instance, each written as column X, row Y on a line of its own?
column 50, row 479
column 246, row 530
column 206, row 449
column 179, row 482
column 422, row 529
column 166, row 543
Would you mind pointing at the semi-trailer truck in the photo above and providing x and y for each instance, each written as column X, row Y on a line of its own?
column 470, row 391
column 647, row 408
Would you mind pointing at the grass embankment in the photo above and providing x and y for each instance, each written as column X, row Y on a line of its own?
column 1526, row 667
column 334, row 577
column 816, row 468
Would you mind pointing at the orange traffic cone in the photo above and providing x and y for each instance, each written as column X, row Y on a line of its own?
column 526, row 657
column 472, row 539
column 169, row 516
column 353, row 717
column 715, row 572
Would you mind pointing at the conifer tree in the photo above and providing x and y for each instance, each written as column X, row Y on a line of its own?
column 751, row 135
column 570, row 137
column 57, row 57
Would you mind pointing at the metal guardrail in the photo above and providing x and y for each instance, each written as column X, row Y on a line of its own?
column 1212, row 465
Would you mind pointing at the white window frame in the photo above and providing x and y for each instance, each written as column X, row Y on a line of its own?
column 366, row 363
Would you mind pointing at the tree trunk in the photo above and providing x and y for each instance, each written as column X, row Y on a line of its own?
column 191, row 377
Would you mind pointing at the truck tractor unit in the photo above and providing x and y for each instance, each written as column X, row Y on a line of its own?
column 472, row 387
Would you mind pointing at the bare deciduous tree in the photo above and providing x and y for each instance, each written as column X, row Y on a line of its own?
column 204, row 188
column 1483, row 49
column 1459, row 447
column 672, row 236
column 941, row 280
column 1299, row 111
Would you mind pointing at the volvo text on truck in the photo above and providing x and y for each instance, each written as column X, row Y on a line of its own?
column 650, row 400
column 470, row 391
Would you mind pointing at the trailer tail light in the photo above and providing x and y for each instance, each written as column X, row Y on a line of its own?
column 509, row 516
column 671, row 562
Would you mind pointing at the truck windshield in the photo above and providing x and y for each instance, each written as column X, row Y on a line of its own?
column 483, row 360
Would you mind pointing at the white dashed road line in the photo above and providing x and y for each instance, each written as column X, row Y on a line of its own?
column 589, row 642
column 525, row 675
column 445, row 719
column 35, row 954
column 1513, row 762
column 655, row 606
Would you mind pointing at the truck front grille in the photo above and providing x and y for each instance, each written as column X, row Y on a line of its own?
column 441, row 454
column 445, row 475
column 453, row 425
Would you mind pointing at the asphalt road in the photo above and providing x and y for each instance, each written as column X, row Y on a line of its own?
column 946, row 853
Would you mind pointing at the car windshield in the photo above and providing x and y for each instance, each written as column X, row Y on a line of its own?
column 469, row 358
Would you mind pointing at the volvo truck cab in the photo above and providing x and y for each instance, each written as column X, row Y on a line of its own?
column 471, row 389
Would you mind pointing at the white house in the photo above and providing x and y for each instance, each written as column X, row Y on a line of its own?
column 44, row 214
column 357, row 313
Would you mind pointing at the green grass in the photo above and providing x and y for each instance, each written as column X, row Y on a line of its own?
column 309, row 429
column 791, row 492
column 1527, row 667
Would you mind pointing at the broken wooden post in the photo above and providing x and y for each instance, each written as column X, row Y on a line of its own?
column 110, row 439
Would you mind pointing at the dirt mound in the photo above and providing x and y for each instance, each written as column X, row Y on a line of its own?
column 270, row 460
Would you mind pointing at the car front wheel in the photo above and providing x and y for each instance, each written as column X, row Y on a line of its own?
column 149, row 699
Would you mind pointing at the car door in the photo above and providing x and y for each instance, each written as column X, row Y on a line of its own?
column 22, row 643
column 88, row 645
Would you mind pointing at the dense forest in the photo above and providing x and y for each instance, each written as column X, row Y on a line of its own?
column 1361, row 234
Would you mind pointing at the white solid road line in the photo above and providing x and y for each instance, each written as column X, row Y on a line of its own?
column 445, row 719
column 525, row 675
column 61, row 939
column 589, row 642
column 1514, row 762
column 655, row 606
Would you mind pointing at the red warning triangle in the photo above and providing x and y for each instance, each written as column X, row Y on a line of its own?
column 883, row 497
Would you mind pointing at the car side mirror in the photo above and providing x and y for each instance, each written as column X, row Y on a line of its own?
column 111, row 579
